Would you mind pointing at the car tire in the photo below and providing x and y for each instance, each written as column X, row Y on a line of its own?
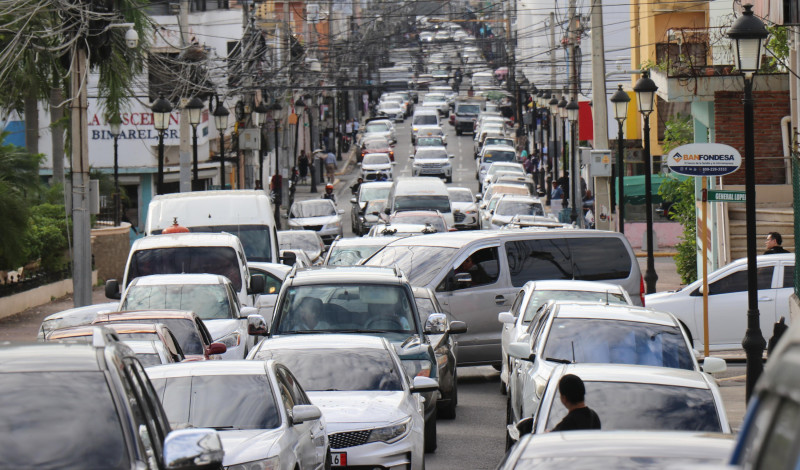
column 449, row 411
column 430, row 435
column 509, row 442
column 449, row 179
column 503, row 388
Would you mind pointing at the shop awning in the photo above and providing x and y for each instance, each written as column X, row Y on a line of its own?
column 634, row 187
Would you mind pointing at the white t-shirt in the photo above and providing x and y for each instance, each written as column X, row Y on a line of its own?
column 348, row 128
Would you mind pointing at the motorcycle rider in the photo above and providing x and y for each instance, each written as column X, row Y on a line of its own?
column 328, row 194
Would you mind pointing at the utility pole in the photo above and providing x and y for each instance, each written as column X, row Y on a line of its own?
column 185, row 150
column 576, row 198
column 552, row 153
column 81, row 228
column 602, row 188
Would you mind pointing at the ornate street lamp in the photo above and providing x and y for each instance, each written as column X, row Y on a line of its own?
column 221, row 123
column 572, row 110
column 562, row 114
column 620, row 99
column 258, row 118
column 162, row 109
column 195, row 107
column 114, row 127
column 748, row 33
column 645, row 90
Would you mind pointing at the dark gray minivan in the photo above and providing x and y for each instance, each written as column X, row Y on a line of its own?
column 477, row 274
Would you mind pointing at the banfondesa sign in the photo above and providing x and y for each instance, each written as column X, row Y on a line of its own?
column 704, row 160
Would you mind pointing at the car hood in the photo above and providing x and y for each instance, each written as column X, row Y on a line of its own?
column 328, row 219
column 376, row 167
column 222, row 327
column 359, row 409
column 463, row 206
column 248, row 445
column 432, row 160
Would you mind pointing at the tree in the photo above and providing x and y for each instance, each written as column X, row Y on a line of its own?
column 19, row 180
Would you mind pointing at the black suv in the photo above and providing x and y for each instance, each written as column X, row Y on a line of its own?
column 90, row 406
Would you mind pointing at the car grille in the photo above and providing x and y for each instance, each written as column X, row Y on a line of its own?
column 431, row 165
column 315, row 228
column 341, row 440
column 459, row 216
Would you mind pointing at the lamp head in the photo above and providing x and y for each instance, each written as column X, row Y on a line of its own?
column 620, row 100
column 748, row 34
column 161, row 111
column 645, row 90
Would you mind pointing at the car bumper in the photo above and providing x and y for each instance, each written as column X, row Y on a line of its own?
column 442, row 172
column 406, row 453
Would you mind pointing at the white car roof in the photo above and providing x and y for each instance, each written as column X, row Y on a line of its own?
column 322, row 341
column 637, row 374
column 571, row 284
column 613, row 312
column 186, row 239
column 179, row 279
column 505, row 148
column 198, row 368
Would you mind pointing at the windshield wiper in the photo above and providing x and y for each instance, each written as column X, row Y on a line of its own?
column 225, row 428
column 366, row 331
column 558, row 360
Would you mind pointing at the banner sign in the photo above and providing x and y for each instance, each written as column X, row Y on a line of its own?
column 704, row 160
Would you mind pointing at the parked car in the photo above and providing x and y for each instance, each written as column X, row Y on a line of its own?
column 263, row 416
column 358, row 203
column 307, row 241
column 319, row 215
column 465, row 208
column 619, row 449
column 727, row 300
column 80, row 406
column 377, row 166
column 570, row 333
column 534, row 294
column 373, row 412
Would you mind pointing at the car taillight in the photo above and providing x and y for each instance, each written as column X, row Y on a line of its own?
column 641, row 289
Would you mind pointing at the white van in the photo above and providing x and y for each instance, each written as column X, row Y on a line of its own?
column 188, row 253
column 423, row 117
column 245, row 213
column 420, row 193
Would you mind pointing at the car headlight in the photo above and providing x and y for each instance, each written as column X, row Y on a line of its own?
column 230, row 341
column 470, row 212
column 417, row 367
column 266, row 464
column 392, row 433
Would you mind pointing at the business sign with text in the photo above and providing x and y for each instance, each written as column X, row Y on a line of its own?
column 704, row 160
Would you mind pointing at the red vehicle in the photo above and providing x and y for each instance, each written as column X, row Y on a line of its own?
column 376, row 145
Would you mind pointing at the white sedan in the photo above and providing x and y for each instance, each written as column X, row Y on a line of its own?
column 319, row 215
column 465, row 208
column 727, row 301
column 508, row 207
column 373, row 411
column 264, row 418
column 534, row 294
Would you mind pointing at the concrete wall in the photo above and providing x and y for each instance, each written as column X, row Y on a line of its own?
column 110, row 247
column 14, row 304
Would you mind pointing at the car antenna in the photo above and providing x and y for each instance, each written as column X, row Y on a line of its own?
column 606, row 296
column 573, row 351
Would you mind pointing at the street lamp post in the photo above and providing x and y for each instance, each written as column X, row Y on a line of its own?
column 275, row 111
column 195, row 107
column 259, row 117
column 553, row 103
column 620, row 100
column 161, row 114
column 645, row 90
column 562, row 113
column 749, row 33
column 299, row 109
column 114, row 126
column 221, row 123
column 572, row 116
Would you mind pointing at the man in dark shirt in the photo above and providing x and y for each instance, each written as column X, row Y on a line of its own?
column 580, row 416
column 773, row 244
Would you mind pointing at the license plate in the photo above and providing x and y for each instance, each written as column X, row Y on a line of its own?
column 338, row 459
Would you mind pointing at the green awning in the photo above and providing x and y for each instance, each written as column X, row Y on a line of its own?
column 634, row 187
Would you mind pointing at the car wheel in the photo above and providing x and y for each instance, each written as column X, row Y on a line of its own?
column 509, row 442
column 497, row 366
column 449, row 179
column 430, row 435
column 449, row 411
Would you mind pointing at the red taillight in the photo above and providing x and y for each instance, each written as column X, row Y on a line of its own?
column 641, row 289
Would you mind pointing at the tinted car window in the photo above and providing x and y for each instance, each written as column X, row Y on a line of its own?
column 220, row 402
column 425, row 119
column 788, row 276
column 498, row 156
column 208, row 301
column 256, row 239
column 344, row 370
column 617, row 342
column 598, row 259
column 187, row 260
column 64, row 420
column 422, row 203
column 420, row 263
column 367, row 193
column 737, row 282
column 646, row 407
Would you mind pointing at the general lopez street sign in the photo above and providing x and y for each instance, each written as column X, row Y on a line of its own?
column 704, row 160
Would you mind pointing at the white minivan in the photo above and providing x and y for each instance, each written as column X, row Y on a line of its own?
column 420, row 193
column 245, row 213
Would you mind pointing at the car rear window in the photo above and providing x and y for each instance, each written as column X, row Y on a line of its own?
column 220, row 260
column 588, row 259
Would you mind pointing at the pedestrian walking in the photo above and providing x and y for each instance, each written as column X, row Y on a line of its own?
column 330, row 166
column 773, row 243
column 355, row 129
column 302, row 165
column 557, row 192
column 579, row 416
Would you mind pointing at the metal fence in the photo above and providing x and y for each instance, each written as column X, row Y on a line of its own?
column 34, row 280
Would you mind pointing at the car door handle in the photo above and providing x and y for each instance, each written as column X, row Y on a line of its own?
column 765, row 299
column 499, row 299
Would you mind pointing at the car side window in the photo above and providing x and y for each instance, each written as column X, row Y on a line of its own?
column 298, row 395
column 147, row 428
column 285, row 390
column 201, row 327
column 788, row 275
column 531, row 260
column 737, row 281
column 517, row 302
column 483, row 266
column 780, row 449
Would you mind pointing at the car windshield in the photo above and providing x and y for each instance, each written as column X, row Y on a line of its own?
column 617, row 342
column 518, row 207
column 539, row 297
column 376, row 160
column 422, row 203
column 469, row 109
column 345, row 370
column 320, row 208
column 423, row 119
column 223, row 402
column 430, row 153
column 351, row 255
column 434, row 221
column 461, row 196
column 498, row 141
column 256, row 239
column 377, row 127
column 208, row 301
column 623, row 406
column 499, row 156
column 361, row 308
column 220, row 260
column 376, row 144
column 429, row 141
column 420, row 263
column 65, row 420
column 300, row 240
column 369, row 193
column 184, row 329
column 506, row 168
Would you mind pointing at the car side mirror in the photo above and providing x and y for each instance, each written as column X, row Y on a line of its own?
column 303, row 413
column 257, row 284
column 256, row 325
column 714, row 365
column 436, row 324
column 289, row 258
column 520, row 351
column 463, row 278
column 387, row 211
column 216, row 348
column 411, row 157
column 451, row 156
column 506, row 317
column 112, row 289
column 353, row 200
column 457, row 327
column 245, row 312
column 192, row 448
column 424, row 384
